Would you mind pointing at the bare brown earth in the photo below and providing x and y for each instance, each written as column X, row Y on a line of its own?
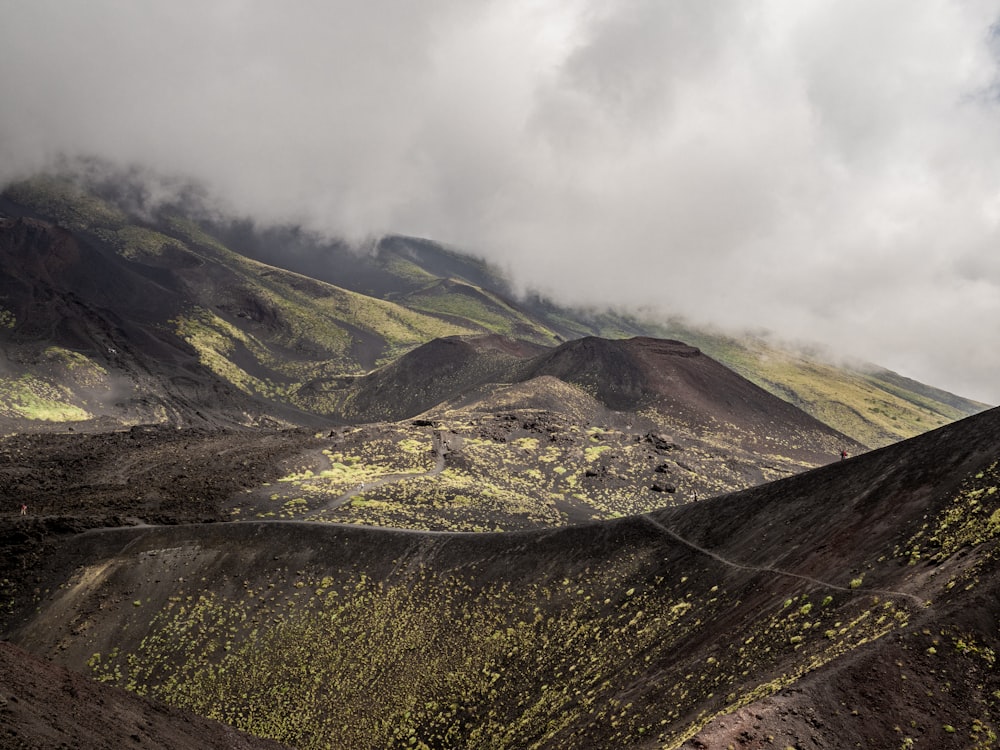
column 855, row 605
column 44, row 707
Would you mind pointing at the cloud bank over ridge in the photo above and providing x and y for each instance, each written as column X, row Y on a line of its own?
column 827, row 170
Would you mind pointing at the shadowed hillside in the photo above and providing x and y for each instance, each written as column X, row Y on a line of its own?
column 694, row 390
column 45, row 706
column 165, row 324
column 441, row 370
column 191, row 328
column 752, row 618
column 633, row 377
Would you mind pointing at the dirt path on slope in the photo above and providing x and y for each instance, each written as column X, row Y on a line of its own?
column 921, row 603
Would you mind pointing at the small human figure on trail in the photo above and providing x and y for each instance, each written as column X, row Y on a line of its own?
column 24, row 509
column 843, row 454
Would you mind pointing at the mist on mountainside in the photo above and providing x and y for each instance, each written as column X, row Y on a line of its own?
column 736, row 168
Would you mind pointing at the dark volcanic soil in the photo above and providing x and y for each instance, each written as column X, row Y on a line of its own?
column 856, row 605
column 45, row 707
column 147, row 475
column 152, row 474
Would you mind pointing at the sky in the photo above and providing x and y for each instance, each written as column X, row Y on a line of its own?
column 827, row 170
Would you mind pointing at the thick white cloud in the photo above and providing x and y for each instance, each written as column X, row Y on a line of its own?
column 828, row 169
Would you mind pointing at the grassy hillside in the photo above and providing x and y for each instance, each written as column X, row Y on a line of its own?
column 871, row 405
column 874, row 406
column 287, row 334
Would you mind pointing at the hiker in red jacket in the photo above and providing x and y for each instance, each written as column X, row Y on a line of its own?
column 843, row 454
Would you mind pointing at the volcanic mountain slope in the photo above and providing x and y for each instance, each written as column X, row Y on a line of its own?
column 541, row 451
column 113, row 319
column 193, row 331
column 530, row 436
column 88, row 338
column 121, row 326
column 636, row 376
column 44, row 706
column 754, row 619
column 871, row 404
column 692, row 390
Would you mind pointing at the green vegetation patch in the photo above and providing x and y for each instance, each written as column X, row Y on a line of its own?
column 136, row 242
column 216, row 340
column 971, row 518
column 68, row 204
column 80, row 368
column 452, row 501
column 434, row 659
column 481, row 309
column 30, row 397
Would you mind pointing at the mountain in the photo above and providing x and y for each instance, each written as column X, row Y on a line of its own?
column 850, row 605
column 601, row 427
column 231, row 487
column 263, row 341
column 871, row 404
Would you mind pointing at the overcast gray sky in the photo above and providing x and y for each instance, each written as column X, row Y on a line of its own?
column 825, row 169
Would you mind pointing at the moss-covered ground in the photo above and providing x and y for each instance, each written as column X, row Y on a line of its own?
column 501, row 472
column 317, row 651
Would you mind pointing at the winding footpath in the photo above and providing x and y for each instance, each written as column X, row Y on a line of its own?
column 778, row 571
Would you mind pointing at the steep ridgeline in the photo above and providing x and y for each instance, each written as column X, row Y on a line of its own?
column 852, row 605
column 873, row 405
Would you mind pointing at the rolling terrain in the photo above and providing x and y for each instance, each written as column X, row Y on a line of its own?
column 334, row 498
column 592, row 429
column 754, row 619
column 110, row 324
column 205, row 320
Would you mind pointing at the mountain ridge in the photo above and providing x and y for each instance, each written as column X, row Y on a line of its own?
column 437, row 292
column 365, row 516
